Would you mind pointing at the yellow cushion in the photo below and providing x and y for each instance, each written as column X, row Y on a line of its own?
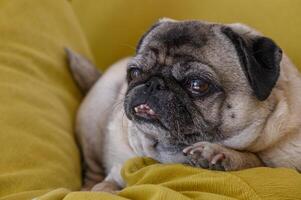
column 38, row 98
column 114, row 27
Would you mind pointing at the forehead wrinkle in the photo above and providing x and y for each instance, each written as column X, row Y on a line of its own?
column 167, row 55
column 194, row 68
column 142, row 61
column 190, row 33
column 161, row 56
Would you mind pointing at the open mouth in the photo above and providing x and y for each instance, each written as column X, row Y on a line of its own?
column 145, row 111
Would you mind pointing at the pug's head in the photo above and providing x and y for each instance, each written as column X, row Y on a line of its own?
column 193, row 81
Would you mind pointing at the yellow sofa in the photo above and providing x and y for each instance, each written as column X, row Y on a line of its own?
column 39, row 156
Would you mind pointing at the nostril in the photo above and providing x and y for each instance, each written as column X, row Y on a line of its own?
column 160, row 87
column 154, row 84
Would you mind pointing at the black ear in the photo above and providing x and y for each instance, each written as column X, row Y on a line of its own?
column 260, row 58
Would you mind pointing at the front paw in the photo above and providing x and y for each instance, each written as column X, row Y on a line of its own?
column 106, row 186
column 209, row 156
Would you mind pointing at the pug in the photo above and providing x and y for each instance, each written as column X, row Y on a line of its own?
column 215, row 96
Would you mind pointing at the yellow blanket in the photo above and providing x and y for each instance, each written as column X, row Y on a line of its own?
column 149, row 180
column 39, row 156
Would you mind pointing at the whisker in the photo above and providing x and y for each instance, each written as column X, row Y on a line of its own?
column 129, row 46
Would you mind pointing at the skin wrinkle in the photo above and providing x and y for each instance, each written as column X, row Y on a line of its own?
column 194, row 113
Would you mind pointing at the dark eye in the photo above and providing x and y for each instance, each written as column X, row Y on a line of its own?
column 135, row 73
column 198, row 86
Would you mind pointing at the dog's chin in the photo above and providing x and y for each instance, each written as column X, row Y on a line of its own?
column 150, row 124
column 162, row 149
column 170, row 154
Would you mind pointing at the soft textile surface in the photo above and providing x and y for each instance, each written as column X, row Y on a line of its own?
column 149, row 180
column 39, row 155
column 113, row 27
column 38, row 98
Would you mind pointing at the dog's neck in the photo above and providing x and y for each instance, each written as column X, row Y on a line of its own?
column 284, row 120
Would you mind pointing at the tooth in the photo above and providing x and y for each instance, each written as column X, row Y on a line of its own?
column 151, row 112
column 136, row 109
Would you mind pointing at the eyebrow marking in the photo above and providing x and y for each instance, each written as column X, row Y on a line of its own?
column 189, row 58
column 154, row 50
column 145, row 34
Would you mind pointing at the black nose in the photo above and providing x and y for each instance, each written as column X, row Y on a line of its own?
column 154, row 84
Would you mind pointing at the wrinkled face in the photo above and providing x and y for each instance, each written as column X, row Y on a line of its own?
column 187, row 84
